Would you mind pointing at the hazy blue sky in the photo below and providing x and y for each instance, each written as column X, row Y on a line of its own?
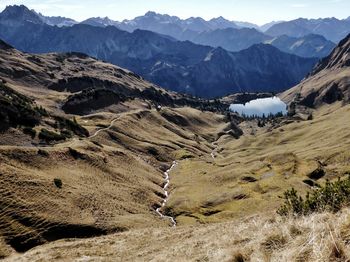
column 257, row 11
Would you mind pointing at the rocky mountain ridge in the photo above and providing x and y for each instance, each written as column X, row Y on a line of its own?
column 175, row 65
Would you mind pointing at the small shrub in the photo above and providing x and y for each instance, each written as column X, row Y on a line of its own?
column 71, row 125
column 66, row 133
column 310, row 117
column 97, row 144
column 238, row 257
column 330, row 197
column 274, row 242
column 42, row 111
column 76, row 154
column 58, row 182
column 43, row 153
column 337, row 253
column 50, row 136
column 29, row 131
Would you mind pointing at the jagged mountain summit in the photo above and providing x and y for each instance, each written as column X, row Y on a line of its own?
column 58, row 20
column 220, row 32
column 100, row 22
column 16, row 15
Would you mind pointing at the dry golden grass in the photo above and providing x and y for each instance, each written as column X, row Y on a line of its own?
column 115, row 182
column 315, row 238
column 249, row 174
column 111, row 182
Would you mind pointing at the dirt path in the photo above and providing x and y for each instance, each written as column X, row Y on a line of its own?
column 104, row 129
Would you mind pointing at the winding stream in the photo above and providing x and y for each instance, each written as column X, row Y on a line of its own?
column 215, row 150
column 165, row 200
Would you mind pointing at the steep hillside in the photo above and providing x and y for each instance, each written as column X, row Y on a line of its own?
column 178, row 66
column 327, row 83
column 81, row 84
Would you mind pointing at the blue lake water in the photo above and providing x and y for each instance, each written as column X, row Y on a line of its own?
column 260, row 107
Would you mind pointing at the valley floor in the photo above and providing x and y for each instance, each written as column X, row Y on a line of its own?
column 111, row 181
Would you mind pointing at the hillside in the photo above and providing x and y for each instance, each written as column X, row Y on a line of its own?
column 317, row 238
column 75, row 131
column 327, row 83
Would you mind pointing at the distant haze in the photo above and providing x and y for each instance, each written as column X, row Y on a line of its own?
column 255, row 11
column 260, row 107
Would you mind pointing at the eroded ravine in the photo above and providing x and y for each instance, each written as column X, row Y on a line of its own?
column 166, row 193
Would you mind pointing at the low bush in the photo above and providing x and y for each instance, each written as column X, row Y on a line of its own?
column 50, row 136
column 42, row 152
column 274, row 242
column 29, row 131
column 238, row 257
column 16, row 109
column 331, row 197
column 72, row 126
column 58, row 182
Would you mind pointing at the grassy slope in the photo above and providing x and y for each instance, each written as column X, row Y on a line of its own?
column 110, row 185
column 321, row 237
column 200, row 185
column 206, row 190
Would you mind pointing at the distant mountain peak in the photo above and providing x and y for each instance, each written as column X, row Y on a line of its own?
column 151, row 13
column 20, row 13
column 219, row 19
column 100, row 22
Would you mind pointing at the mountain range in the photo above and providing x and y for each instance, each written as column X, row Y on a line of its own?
column 220, row 32
column 331, row 28
column 181, row 66
column 217, row 32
